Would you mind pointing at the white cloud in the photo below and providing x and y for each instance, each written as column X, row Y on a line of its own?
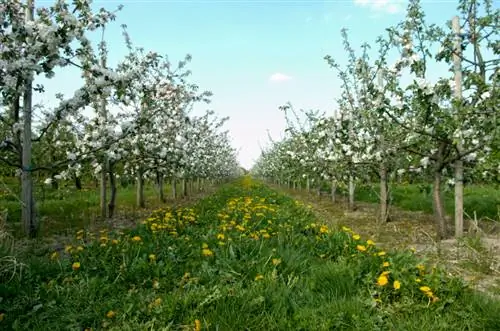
column 348, row 17
column 279, row 77
column 387, row 6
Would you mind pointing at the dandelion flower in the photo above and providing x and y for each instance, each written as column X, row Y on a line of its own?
column 382, row 280
column 381, row 253
column 370, row 242
column 259, row 277
column 152, row 258
column 356, row 236
column 425, row 289
column 197, row 325
column 386, row 264
column 324, row 229
column 396, row 285
column 346, row 229
column 136, row 238
column 207, row 252
column 110, row 314
column 361, row 248
column 75, row 266
column 276, row 261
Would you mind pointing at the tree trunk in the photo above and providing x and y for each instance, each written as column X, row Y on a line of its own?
column 174, row 188
column 384, row 193
column 184, row 187
column 112, row 198
column 140, row 189
column 351, row 193
column 54, row 183
column 459, row 165
column 334, row 190
column 78, row 183
column 439, row 214
column 103, row 192
column 159, row 178
column 30, row 223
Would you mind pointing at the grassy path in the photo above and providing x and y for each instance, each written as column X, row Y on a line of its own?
column 244, row 258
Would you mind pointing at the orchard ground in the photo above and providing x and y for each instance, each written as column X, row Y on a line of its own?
column 475, row 257
column 245, row 257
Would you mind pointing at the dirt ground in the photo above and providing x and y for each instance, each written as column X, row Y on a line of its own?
column 475, row 257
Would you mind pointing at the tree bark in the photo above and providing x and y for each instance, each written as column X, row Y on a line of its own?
column 112, row 198
column 439, row 213
column 78, row 183
column 384, row 193
column 30, row 223
column 184, row 187
column 174, row 188
column 459, row 164
column 351, row 193
column 140, row 189
column 334, row 190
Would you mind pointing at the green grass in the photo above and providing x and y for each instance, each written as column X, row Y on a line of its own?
column 483, row 200
column 67, row 209
column 245, row 258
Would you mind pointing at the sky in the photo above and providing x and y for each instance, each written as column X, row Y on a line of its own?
column 253, row 55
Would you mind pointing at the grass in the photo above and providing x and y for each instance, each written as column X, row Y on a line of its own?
column 244, row 258
column 481, row 200
column 66, row 209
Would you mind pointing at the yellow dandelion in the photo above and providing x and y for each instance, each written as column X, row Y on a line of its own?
column 110, row 314
column 346, row 229
column 197, row 325
column 75, row 266
column 276, row 261
column 425, row 289
column 386, row 264
column 418, row 280
column 361, row 248
column 356, row 236
column 381, row 253
column 324, row 229
column 259, row 277
column 136, row 238
column 396, row 285
column 382, row 280
column 370, row 242
column 220, row 236
column 207, row 252
column 152, row 258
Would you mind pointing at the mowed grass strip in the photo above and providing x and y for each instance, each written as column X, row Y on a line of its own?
column 245, row 258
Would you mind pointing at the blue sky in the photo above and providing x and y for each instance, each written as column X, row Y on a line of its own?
column 253, row 55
